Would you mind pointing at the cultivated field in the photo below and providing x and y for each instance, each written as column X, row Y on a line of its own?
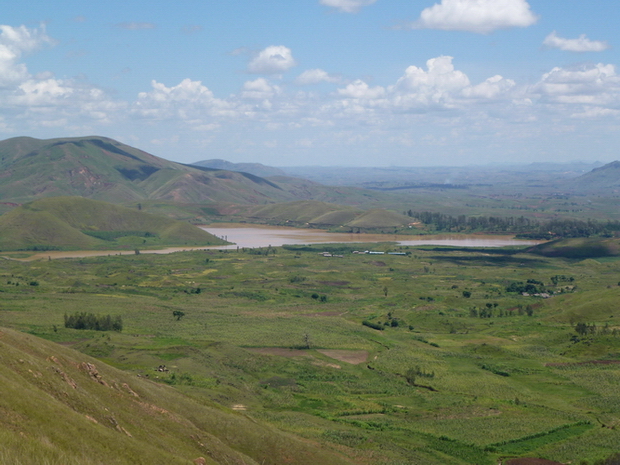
column 438, row 356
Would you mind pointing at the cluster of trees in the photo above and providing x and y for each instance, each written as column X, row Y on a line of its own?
column 584, row 329
column 490, row 311
column 462, row 223
column 525, row 227
column 574, row 228
column 83, row 320
column 532, row 286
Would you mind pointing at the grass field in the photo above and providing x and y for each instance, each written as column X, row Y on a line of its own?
column 462, row 371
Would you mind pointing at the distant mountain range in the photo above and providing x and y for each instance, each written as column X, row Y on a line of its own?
column 603, row 179
column 256, row 169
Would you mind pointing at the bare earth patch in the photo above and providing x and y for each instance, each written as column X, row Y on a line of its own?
column 354, row 357
column 280, row 352
column 590, row 362
column 323, row 364
column 531, row 461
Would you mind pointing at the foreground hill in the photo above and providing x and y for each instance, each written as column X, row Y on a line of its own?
column 62, row 407
column 79, row 223
column 104, row 169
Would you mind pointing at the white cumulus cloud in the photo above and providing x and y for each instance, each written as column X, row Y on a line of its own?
column 259, row 89
column 587, row 85
column 438, row 87
column 14, row 41
column 187, row 100
column 347, row 6
column 275, row 59
column 480, row 16
column 314, row 76
column 580, row 44
column 491, row 88
column 360, row 90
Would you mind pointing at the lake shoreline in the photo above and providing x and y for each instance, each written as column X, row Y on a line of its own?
column 251, row 236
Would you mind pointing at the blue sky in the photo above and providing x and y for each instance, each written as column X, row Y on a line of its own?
column 319, row 82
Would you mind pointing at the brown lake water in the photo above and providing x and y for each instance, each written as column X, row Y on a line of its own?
column 253, row 236
column 264, row 236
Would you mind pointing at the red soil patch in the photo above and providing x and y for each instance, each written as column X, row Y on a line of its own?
column 354, row 357
column 531, row 461
column 280, row 352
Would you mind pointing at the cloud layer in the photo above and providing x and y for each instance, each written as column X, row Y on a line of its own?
column 427, row 104
column 479, row 16
column 274, row 59
column 347, row 6
column 580, row 44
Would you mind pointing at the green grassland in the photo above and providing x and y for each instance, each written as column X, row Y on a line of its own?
column 65, row 223
column 462, row 371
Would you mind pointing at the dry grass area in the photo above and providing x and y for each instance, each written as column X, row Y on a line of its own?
column 280, row 352
column 354, row 357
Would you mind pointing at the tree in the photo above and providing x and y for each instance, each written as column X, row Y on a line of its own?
column 410, row 376
column 466, row 294
column 178, row 314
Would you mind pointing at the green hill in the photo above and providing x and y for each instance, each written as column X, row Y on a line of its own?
column 302, row 212
column 378, row 218
column 62, row 407
column 593, row 247
column 600, row 180
column 104, row 169
column 322, row 214
column 79, row 223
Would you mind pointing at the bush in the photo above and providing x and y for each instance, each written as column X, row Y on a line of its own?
column 83, row 320
column 372, row 325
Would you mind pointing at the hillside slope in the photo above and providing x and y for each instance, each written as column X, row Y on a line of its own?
column 62, row 407
column 322, row 214
column 257, row 169
column 603, row 179
column 79, row 223
column 104, row 169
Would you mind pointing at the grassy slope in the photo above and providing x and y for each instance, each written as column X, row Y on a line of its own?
column 379, row 219
column 579, row 248
column 496, row 379
column 601, row 179
column 111, row 417
column 104, row 169
column 60, row 222
column 325, row 214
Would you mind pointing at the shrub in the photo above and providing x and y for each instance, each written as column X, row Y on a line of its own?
column 83, row 320
column 372, row 325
